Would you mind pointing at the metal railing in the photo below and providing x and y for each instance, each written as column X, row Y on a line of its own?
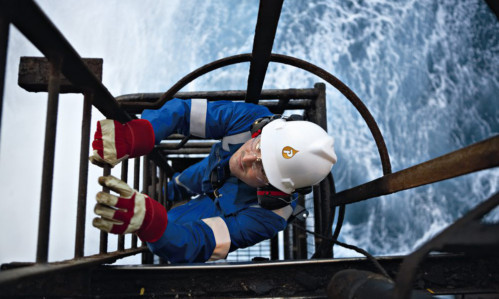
column 64, row 71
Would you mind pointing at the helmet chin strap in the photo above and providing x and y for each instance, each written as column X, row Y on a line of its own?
column 271, row 198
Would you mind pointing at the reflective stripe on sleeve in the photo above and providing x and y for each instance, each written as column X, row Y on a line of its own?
column 235, row 139
column 178, row 182
column 198, row 117
column 284, row 212
column 222, row 237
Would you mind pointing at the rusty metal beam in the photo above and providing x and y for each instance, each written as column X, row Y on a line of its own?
column 266, row 27
column 33, row 74
column 479, row 156
column 9, row 277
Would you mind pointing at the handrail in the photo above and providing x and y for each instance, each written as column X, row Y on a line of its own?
column 479, row 156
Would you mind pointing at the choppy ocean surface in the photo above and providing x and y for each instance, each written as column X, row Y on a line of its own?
column 427, row 70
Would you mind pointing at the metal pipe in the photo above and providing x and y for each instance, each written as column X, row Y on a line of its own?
column 48, row 161
column 232, row 95
column 478, row 156
column 83, row 175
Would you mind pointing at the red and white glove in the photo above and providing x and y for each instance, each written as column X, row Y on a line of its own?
column 131, row 212
column 115, row 142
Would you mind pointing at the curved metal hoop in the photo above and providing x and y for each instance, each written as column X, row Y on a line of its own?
column 304, row 65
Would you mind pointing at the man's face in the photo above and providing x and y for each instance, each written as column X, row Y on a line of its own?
column 246, row 164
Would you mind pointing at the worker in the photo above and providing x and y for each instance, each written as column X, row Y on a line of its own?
column 242, row 193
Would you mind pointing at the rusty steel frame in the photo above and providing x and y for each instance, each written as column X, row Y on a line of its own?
column 63, row 61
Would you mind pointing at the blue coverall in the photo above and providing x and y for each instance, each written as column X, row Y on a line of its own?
column 204, row 228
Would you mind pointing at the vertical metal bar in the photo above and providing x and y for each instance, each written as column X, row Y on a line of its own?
column 287, row 243
column 83, row 175
column 320, row 106
column 317, row 218
column 136, row 184
column 103, row 235
column 147, row 257
column 4, row 41
column 317, row 114
column 154, row 181
column 266, row 27
column 168, row 203
column 300, row 238
column 161, row 195
column 48, row 161
column 274, row 248
column 146, row 172
column 124, row 178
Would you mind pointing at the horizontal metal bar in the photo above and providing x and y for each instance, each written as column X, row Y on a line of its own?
column 25, row 273
column 479, row 156
column 233, row 95
column 187, row 151
column 165, row 146
column 34, row 73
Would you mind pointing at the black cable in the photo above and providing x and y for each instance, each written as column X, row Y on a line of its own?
column 351, row 247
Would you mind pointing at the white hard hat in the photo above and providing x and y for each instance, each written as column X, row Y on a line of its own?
column 296, row 154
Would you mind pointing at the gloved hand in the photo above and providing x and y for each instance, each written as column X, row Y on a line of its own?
column 131, row 212
column 114, row 142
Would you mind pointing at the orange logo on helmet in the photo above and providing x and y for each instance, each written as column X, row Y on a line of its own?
column 288, row 152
